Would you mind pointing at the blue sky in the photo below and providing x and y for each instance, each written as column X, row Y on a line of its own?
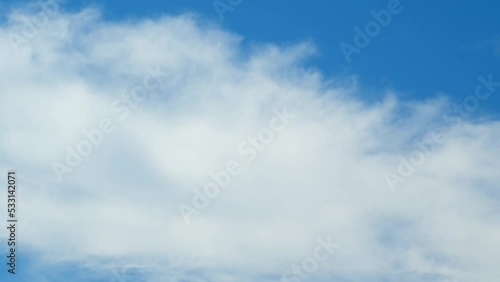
column 337, row 167
column 430, row 47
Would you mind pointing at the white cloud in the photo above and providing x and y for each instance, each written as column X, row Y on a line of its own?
column 323, row 175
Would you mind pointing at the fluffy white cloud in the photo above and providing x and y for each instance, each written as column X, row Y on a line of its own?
column 323, row 175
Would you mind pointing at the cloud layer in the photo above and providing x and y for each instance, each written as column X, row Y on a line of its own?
column 323, row 175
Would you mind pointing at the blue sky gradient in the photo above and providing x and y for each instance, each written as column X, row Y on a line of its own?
column 431, row 47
